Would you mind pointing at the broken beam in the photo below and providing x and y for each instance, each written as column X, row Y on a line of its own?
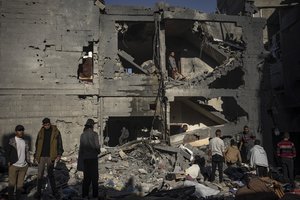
column 188, row 15
column 130, row 59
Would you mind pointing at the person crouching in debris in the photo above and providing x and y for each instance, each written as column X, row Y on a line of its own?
column 48, row 150
column 18, row 160
column 232, row 154
column 88, row 158
column 259, row 159
column 216, row 150
column 124, row 135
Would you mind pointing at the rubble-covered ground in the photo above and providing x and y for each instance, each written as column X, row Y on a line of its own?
column 146, row 169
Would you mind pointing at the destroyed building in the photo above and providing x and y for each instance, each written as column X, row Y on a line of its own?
column 279, row 93
column 73, row 60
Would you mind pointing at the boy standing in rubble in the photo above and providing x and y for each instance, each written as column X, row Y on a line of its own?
column 286, row 151
column 18, row 160
column 216, row 150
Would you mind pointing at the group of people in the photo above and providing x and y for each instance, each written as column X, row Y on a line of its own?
column 251, row 152
column 48, row 151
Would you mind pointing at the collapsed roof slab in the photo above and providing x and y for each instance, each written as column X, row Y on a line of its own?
column 188, row 15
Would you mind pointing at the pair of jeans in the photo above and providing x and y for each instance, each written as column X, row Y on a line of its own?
column 288, row 169
column 261, row 171
column 46, row 161
column 90, row 175
column 217, row 161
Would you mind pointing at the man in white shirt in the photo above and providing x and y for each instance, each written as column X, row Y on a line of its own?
column 216, row 150
column 259, row 159
column 18, row 159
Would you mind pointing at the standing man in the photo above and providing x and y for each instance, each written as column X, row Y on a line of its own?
column 259, row 159
column 216, row 150
column 286, row 151
column 173, row 69
column 88, row 158
column 48, row 150
column 172, row 66
column 18, row 160
column 124, row 136
column 246, row 143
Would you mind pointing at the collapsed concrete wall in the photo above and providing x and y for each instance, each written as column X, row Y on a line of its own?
column 46, row 46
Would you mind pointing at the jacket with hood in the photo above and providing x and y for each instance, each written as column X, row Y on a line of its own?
column 258, row 157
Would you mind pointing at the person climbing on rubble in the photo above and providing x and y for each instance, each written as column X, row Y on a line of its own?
column 259, row 159
column 246, row 143
column 232, row 154
column 216, row 151
column 48, row 151
column 286, row 151
column 124, row 136
column 89, row 149
column 18, row 160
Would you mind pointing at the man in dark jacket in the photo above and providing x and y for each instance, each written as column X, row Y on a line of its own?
column 88, row 158
column 48, row 150
column 18, row 160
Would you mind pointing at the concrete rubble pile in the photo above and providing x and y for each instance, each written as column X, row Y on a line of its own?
column 142, row 169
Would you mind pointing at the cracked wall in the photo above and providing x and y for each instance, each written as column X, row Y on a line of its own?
column 42, row 43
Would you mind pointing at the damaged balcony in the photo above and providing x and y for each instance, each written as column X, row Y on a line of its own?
column 212, row 56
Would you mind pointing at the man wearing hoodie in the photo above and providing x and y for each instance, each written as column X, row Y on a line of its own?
column 259, row 159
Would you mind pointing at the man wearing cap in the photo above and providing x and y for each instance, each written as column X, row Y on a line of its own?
column 18, row 160
column 88, row 158
column 48, row 149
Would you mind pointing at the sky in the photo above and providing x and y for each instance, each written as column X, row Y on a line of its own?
column 208, row 6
